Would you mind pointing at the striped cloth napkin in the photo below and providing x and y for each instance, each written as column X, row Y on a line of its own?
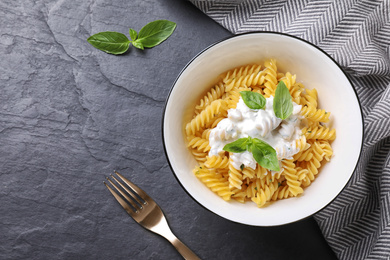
column 357, row 35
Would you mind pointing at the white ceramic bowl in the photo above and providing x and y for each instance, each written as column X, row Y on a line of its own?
column 315, row 69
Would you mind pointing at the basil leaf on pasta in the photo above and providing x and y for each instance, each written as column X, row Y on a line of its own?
column 239, row 146
column 253, row 100
column 283, row 106
column 265, row 155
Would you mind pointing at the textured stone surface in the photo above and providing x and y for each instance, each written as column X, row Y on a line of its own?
column 70, row 115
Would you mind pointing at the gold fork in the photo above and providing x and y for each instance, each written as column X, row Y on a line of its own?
column 146, row 212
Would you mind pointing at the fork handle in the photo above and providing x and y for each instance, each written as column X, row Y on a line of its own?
column 185, row 252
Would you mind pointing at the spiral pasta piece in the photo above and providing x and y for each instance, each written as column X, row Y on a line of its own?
column 235, row 177
column 253, row 187
column 314, row 114
column 251, row 79
column 291, row 176
column 289, row 80
column 258, row 89
column 309, row 97
column 318, row 152
column 238, row 72
column 264, row 195
column 199, row 143
column 327, row 149
column 206, row 134
column 205, row 116
column 270, row 78
column 282, row 192
column 295, row 92
column 301, row 173
column 304, row 154
column 199, row 156
column 312, row 167
column 278, row 176
column 215, row 182
column 319, row 132
column 261, row 172
column 216, row 162
column 215, row 93
column 248, row 173
column 215, row 120
column 239, row 195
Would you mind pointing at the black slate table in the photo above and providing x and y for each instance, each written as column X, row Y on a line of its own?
column 71, row 114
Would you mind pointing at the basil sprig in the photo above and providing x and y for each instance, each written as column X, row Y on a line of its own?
column 253, row 100
column 149, row 36
column 283, row 106
column 262, row 152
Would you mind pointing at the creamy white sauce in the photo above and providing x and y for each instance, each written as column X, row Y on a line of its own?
column 262, row 124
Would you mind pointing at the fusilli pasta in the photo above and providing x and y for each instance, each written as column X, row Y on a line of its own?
column 260, row 185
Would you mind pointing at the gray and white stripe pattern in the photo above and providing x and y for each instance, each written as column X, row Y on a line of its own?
column 357, row 35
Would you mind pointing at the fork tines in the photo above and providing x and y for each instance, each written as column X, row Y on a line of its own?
column 133, row 195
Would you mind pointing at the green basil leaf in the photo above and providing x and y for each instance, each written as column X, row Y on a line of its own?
column 155, row 32
column 138, row 44
column 110, row 42
column 133, row 34
column 283, row 106
column 265, row 155
column 253, row 100
column 239, row 146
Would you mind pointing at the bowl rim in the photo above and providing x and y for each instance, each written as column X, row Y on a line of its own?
column 239, row 35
